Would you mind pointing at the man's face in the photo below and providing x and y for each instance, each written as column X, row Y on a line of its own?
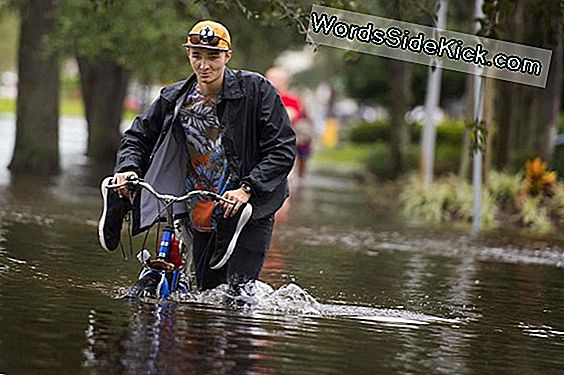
column 208, row 64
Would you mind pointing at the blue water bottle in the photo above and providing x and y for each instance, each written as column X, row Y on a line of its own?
column 166, row 241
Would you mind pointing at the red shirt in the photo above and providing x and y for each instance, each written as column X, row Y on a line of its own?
column 293, row 106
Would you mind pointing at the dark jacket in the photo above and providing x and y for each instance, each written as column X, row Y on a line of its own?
column 258, row 140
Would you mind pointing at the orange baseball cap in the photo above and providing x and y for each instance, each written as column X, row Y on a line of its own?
column 210, row 35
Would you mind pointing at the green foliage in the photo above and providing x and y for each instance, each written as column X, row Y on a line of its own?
column 560, row 126
column 558, row 205
column 503, row 202
column 447, row 158
column 558, row 161
column 7, row 105
column 535, row 216
column 378, row 160
column 8, row 43
column 144, row 36
column 489, row 212
column 367, row 79
column 260, row 30
column 504, row 187
column 450, row 132
column 369, row 132
column 446, row 200
column 423, row 204
column 447, row 152
column 343, row 154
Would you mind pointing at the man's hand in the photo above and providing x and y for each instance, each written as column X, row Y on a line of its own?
column 238, row 196
column 120, row 178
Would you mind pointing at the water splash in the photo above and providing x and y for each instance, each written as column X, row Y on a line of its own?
column 293, row 300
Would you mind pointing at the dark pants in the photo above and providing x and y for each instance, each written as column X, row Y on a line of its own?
column 244, row 264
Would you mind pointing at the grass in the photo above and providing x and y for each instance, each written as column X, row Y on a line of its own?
column 7, row 105
column 350, row 154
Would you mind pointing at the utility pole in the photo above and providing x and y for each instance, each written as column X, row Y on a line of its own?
column 478, row 115
column 432, row 98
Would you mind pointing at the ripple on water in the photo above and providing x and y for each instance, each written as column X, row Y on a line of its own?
column 371, row 242
column 25, row 217
column 542, row 331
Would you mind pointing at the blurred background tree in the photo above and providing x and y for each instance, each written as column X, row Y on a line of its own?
column 527, row 117
column 37, row 117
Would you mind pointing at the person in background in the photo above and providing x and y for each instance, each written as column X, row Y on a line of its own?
column 301, row 123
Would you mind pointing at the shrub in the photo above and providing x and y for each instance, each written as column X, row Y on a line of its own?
column 444, row 201
column 534, row 215
column 504, row 187
column 447, row 158
column 557, row 205
column 539, row 180
column 450, row 131
column 422, row 204
column 369, row 132
column 378, row 160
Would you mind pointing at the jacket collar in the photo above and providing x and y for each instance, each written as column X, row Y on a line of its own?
column 173, row 92
column 231, row 88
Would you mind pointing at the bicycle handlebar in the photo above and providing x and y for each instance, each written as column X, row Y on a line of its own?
column 170, row 198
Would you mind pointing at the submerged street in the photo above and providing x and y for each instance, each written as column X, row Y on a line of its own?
column 354, row 291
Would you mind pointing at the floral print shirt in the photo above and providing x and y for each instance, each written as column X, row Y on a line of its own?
column 207, row 165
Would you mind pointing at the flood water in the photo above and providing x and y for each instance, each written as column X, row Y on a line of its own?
column 347, row 290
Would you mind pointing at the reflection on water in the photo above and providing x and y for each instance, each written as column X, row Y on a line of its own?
column 204, row 336
column 345, row 290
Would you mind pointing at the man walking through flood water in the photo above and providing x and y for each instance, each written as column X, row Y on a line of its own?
column 220, row 130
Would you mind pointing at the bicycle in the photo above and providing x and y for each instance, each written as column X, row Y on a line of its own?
column 161, row 275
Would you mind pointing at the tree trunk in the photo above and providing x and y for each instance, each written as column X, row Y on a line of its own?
column 37, row 125
column 549, row 107
column 400, row 100
column 104, row 86
column 464, row 170
column 489, row 100
column 506, row 138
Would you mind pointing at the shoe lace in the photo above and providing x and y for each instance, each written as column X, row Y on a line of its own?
column 128, row 221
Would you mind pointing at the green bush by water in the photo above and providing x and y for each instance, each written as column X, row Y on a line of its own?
column 443, row 201
column 504, row 203
column 449, row 132
column 504, row 187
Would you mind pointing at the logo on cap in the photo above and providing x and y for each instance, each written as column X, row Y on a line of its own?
column 207, row 33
